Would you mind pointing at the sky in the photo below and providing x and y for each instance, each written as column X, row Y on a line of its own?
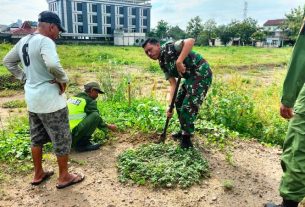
column 172, row 11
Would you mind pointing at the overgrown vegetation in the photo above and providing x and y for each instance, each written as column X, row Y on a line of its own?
column 7, row 93
column 14, row 104
column 162, row 165
column 15, row 141
column 7, row 81
column 235, row 107
column 16, row 144
column 243, row 100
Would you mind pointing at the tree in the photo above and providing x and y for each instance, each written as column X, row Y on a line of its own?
column 176, row 33
column 152, row 33
column 208, row 33
column 246, row 30
column 258, row 36
column 293, row 22
column 209, row 28
column 162, row 29
column 203, row 39
column 242, row 30
column 194, row 27
column 224, row 34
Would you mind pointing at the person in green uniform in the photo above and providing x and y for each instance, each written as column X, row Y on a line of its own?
column 84, row 117
column 177, row 59
column 292, row 187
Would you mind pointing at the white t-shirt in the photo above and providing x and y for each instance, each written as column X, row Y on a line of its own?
column 41, row 65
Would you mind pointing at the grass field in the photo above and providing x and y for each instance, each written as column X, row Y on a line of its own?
column 92, row 57
column 244, row 97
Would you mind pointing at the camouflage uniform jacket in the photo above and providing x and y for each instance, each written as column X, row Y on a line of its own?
column 169, row 54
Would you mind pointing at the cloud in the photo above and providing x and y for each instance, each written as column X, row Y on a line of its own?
column 11, row 10
column 172, row 11
column 180, row 12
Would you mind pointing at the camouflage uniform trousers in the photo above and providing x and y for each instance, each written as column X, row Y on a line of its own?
column 51, row 127
column 191, row 96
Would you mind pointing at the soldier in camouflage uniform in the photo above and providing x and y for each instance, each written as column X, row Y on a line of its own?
column 292, row 186
column 177, row 59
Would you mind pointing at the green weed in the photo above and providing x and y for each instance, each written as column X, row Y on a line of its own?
column 236, row 108
column 228, row 184
column 162, row 166
column 7, row 81
column 7, row 93
column 14, row 104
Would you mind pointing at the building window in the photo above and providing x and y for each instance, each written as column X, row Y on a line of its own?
column 108, row 9
column 53, row 7
column 144, row 30
column 79, row 7
column 93, row 30
column 133, row 11
column 121, row 21
column 94, row 8
column 145, row 12
column 108, row 30
column 132, row 21
column 108, row 20
column 79, row 18
column 121, row 10
column 80, row 29
column 94, row 19
column 144, row 22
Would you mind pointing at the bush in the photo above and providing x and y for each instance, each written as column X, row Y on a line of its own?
column 14, row 104
column 236, row 109
column 154, row 67
column 8, row 81
column 15, row 142
column 16, row 145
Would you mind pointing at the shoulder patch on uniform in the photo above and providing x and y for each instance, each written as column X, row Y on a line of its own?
column 74, row 101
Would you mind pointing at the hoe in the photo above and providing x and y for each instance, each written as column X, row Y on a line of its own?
column 171, row 107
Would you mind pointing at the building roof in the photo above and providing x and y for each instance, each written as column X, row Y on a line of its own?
column 14, row 25
column 274, row 22
column 24, row 30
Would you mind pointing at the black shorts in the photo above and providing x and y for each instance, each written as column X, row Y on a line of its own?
column 51, row 127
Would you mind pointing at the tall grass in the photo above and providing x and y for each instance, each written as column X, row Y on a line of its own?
column 244, row 96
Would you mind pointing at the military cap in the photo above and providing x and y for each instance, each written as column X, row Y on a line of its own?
column 93, row 85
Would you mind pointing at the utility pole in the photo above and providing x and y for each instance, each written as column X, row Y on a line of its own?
column 245, row 10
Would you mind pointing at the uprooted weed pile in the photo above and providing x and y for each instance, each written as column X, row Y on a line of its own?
column 162, row 165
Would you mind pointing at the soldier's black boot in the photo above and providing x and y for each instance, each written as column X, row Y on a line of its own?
column 285, row 203
column 177, row 136
column 89, row 147
column 186, row 142
column 85, row 145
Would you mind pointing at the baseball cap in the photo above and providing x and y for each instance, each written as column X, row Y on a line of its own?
column 93, row 85
column 50, row 17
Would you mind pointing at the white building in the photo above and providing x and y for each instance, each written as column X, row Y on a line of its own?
column 275, row 35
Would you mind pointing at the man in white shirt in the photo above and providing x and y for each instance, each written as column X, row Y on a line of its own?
column 45, row 84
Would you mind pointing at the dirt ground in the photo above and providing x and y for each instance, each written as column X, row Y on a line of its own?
column 6, row 113
column 255, row 174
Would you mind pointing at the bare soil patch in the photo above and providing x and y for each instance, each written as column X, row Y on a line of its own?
column 255, row 174
column 7, row 113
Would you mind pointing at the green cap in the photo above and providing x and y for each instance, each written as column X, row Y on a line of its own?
column 93, row 85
